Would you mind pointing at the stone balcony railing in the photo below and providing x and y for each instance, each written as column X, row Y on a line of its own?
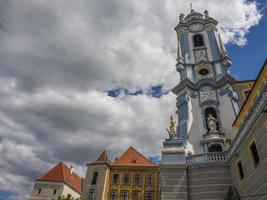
column 207, row 157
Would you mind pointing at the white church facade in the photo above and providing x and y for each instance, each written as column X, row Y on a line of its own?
column 218, row 148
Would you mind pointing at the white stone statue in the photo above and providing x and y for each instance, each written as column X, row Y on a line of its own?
column 206, row 14
column 212, row 123
column 172, row 128
column 181, row 17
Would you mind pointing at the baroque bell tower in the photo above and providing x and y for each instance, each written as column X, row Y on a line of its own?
column 206, row 102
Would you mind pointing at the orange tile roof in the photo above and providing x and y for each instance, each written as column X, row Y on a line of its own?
column 62, row 173
column 133, row 158
column 103, row 158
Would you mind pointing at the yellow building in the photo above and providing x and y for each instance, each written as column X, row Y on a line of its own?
column 131, row 176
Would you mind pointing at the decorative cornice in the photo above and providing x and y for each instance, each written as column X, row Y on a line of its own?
column 254, row 112
column 195, row 86
column 260, row 83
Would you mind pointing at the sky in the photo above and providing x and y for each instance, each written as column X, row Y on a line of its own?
column 77, row 78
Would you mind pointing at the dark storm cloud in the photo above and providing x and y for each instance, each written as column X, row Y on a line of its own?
column 43, row 44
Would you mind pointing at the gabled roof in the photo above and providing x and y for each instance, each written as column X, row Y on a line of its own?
column 133, row 158
column 102, row 159
column 61, row 173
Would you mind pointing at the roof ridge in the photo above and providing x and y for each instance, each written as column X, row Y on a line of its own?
column 102, row 158
column 62, row 171
column 142, row 155
column 131, row 148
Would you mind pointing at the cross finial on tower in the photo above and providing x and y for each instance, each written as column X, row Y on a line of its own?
column 191, row 7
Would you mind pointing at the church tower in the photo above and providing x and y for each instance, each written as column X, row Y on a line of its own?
column 206, row 102
column 194, row 155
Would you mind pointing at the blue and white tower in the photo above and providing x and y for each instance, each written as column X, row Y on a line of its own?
column 206, row 102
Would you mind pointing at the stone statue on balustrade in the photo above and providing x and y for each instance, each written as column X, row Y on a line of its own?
column 172, row 128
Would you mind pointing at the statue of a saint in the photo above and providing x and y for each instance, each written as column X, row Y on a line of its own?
column 172, row 128
column 212, row 123
column 181, row 17
column 206, row 14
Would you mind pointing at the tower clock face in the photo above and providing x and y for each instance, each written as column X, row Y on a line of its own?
column 196, row 27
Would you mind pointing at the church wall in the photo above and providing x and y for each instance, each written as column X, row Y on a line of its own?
column 208, row 181
column 101, row 186
column 173, row 182
column 191, row 53
column 227, row 114
column 214, row 49
column 208, row 45
column 218, row 69
column 254, row 183
column 185, row 47
column 196, row 130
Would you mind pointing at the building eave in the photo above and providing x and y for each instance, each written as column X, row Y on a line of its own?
column 261, row 80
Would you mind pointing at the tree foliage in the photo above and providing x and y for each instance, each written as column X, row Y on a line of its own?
column 68, row 197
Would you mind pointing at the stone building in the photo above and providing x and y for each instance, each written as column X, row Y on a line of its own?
column 218, row 149
column 131, row 176
column 59, row 181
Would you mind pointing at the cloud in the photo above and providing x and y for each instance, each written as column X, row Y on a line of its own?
column 76, row 127
column 58, row 60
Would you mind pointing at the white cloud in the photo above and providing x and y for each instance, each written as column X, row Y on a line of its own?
column 57, row 61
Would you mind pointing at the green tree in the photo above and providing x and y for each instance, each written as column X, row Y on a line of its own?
column 68, row 197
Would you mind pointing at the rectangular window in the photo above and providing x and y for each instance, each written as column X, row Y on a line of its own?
column 115, row 179
column 137, row 179
column 91, row 194
column 240, row 170
column 136, row 195
column 254, row 153
column 126, row 179
column 149, row 196
column 124, row 195
column 39, row 190
column 94, row 178
column 149, row 179
column 113, row 195
column 54, row 192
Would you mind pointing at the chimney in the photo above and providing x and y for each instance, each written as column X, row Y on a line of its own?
column 71, row 169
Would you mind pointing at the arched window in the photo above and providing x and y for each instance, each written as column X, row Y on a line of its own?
column 215, row 148
column 198, row 40
column 213, row 113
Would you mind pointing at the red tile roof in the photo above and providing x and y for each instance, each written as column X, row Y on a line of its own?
column 62, row 173
column 102, row 159
column 132, row 157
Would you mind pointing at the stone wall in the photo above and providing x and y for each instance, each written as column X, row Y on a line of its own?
column 47, row 189
column 254, row 184
column 173, row 182
column 208, row 181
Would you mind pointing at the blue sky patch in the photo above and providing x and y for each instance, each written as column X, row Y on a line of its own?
column 4, row 194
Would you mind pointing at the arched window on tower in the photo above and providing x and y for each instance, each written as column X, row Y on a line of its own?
column 213, row 113
column 215, row 148
column 198, row 40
